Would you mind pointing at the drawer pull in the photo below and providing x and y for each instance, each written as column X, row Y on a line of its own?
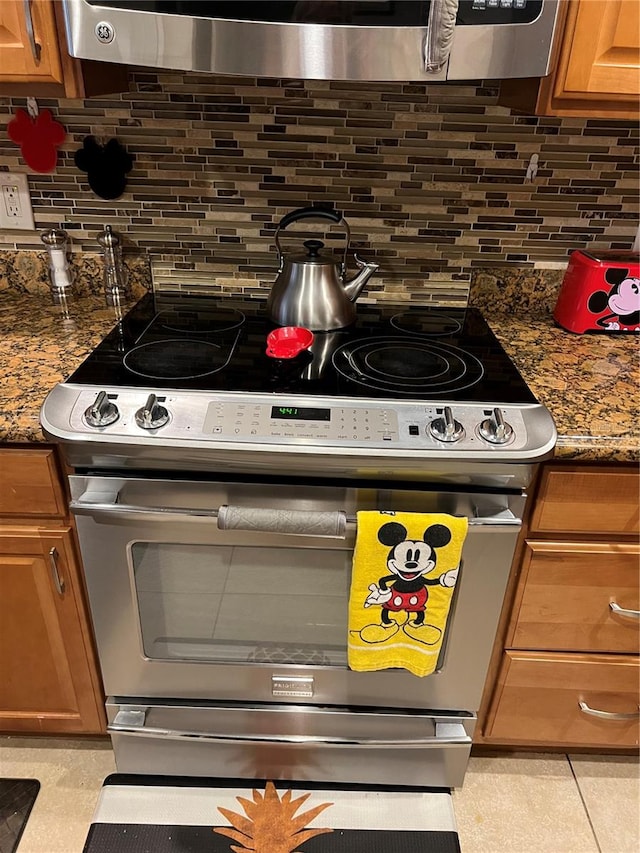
column 608, row 715
column 621, row 611
column 36, row 49
column 57, row 580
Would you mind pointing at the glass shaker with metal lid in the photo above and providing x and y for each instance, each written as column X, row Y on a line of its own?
column 61, row 278
column 116, row 278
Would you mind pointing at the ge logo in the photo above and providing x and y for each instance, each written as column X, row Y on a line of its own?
column 104, row 32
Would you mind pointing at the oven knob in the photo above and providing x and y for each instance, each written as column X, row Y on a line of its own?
column 446, row 428
column 102, row 413
column 152, row 415
column 495, row 429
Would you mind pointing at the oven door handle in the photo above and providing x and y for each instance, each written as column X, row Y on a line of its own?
column 151, row 513
column 445, row 733
column 90, row 504
column 327, row 525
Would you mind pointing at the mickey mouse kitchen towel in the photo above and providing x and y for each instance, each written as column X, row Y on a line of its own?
column 405, row 568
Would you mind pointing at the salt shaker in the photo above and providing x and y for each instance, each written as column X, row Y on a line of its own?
column 56, row 241
column 115, row 273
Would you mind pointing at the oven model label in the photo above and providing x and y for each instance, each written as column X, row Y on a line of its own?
column 291, row 685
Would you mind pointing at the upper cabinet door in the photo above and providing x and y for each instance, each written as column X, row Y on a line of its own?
column 598, row 69
column 28, row 42
column 34, row 59
column 601, row 49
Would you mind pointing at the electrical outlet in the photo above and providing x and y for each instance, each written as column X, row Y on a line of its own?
column 16, row 212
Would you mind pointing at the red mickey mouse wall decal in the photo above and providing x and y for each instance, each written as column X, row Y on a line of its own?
column 38, row 139
column 105, row 165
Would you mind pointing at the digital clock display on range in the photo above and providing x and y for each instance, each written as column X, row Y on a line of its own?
column 286, row 413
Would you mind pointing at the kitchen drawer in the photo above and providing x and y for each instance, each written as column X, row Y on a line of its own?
column 29, row 484
column 330, row 744
column 537, row 700
column 590, row 500
column 565, row 595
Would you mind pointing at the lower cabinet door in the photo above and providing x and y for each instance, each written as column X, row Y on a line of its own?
column 48, row 677
column 566, row 700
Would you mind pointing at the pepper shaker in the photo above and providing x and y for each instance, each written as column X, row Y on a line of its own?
column 56, row 241
column 115, row 273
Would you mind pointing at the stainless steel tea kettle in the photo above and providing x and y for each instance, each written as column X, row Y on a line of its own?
column 310, row 290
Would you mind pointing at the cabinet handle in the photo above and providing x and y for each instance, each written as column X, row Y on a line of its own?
column 35, row 47
column 608, row 715
column 53, row 562
column 621, row 611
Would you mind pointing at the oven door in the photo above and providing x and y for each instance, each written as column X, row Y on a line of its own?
column 183, row 609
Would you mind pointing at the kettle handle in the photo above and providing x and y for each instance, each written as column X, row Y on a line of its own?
column 312, row 213
column 307, row 213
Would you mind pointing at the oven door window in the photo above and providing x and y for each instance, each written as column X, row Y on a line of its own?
column 237, row 604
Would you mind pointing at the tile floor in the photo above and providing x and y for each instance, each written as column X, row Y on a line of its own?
column 520, row 803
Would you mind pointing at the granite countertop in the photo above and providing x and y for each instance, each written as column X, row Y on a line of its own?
column 590, row 383
column 40, row 345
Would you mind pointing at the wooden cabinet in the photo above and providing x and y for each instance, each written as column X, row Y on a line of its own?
column 597, row 72
column 30, row 484
column 49, row 680
column 29, row 43
column 566, row 595
column 600, row 51
column 567, row 673
column 551, row 699
column 34, row 59
column 588, row 501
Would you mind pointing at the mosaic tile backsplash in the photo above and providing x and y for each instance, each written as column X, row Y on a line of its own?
column 432, row 179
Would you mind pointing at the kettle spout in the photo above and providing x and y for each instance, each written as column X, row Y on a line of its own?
column 353, row 288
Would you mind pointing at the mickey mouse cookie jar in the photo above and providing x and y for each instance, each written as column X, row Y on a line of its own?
column 600, row 292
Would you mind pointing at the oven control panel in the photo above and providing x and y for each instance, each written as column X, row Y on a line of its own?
column 134, row 415
column 323, row 423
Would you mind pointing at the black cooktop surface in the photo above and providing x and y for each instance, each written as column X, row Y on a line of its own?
column 391, row 352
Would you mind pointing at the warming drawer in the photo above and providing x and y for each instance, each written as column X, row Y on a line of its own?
column 291, row 742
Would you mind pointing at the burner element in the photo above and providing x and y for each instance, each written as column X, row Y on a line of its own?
column 425, row 322
column 176, row 359
column 405, row 362
column 407, row 366
column 184, row 322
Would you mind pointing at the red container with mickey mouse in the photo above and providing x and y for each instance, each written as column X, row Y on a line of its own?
column 600, row 292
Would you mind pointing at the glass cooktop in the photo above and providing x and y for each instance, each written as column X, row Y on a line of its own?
column 391, row 352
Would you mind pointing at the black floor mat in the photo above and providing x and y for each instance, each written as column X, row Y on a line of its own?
column 17, row 797
column 197, row 815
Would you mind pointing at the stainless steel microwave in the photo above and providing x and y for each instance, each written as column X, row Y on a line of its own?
column 418, row 40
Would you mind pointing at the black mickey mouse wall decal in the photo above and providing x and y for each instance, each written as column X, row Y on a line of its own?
column 106, row 166
column 622, row 300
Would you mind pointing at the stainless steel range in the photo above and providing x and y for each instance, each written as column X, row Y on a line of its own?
column 216, row 492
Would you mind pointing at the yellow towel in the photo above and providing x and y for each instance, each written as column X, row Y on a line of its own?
column 405, row 568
